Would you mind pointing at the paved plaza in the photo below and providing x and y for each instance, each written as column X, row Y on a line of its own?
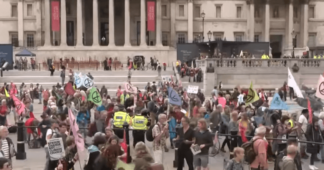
column 36, row 157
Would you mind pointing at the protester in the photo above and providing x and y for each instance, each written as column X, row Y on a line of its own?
column 94, row 150
column 184, row 140
column 4, row 111
column 260, row 146
column 303, row 123
column 204, row 140
column 160, row 134
column 143, row 159
column 313, row 134
column 5, row 164
column 288, row 161
column 236, row 163
column 7, row 146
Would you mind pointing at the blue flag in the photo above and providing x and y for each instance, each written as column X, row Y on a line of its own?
column 77, row 80
column 174, row 98
column 277, row 103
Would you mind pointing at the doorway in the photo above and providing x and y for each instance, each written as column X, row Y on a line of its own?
column 70, row 33
column 276, row 45
column 104, row 33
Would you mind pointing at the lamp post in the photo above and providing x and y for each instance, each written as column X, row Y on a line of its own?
column 203, row 25
column 294, row 43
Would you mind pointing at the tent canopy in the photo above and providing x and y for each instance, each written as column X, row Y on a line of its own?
column 25, row 53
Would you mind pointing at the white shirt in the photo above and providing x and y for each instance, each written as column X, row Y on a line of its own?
column 49, row 132
column 5, row 148
column 303, row 121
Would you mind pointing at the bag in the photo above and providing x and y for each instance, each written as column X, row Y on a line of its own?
column 149, row 134
column 34, row 144
column 249, row 152
column 12, row 129
column 278, row 160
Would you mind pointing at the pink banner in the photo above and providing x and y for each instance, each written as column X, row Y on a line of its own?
column 20, row 106
column 55, row 16
column 150, row 16
column 13, row 90
column 78, row 138
column 130, row 88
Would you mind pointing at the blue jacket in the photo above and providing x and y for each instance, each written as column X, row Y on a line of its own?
column 83, row 118
column 172, row 125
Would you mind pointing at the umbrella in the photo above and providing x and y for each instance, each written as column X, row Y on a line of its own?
column 316, row 104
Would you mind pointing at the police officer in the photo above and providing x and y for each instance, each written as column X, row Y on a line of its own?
column 120, row 118
column 139, row 124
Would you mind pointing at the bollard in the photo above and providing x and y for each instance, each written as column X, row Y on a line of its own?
column 126, row 127
column 21, row 154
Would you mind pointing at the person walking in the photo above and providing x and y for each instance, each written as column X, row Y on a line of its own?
column 236, row 163
column 160, row 133
column 51, row 69
column 63, row 75
column 313, row 134
column 288, row 161
column 184, row 139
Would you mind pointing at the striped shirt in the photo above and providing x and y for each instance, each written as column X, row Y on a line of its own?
column 5, row 148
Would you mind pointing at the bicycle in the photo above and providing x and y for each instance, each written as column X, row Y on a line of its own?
column 216, row 146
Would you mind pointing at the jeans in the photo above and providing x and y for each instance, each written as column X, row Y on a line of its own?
column 63, row 81
column 40, row 97
column 312, row 158
column 228, row 142
column 3, row 120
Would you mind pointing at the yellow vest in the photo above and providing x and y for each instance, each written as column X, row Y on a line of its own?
column 177, row 63
column 139, row 122
column 120, row 118
column 122, row 97
column 291, row 123
column 315, row 57
column 319, row 57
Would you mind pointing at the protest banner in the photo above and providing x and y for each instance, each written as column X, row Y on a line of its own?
column 166, row 79
column 192, row 89
column 55, row 149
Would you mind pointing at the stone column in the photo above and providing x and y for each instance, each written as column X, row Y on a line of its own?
column 63, row 23
column 79, row 24
column 127, row 24
column 111, row 23
column 47, row 23
column 305, row 26
column 267, row 22
column 38, row 23
column 95, row 24
column 143, row 23
column 20, row 9
column 252, row 21
column 190, row 21
column 158, row 23
column 290, row 27
column 173, row 36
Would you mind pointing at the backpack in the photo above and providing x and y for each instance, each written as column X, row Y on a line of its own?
column 278, row 160
column 249, row 152
column 149, row 134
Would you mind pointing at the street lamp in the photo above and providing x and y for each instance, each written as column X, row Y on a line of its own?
column 209, row 34
column 294, row 43
column 203, row 24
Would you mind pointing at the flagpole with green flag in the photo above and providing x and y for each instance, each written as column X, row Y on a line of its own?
column 252, row 95
column 94, row 96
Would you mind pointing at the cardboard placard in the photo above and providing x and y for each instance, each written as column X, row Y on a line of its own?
column 56, row 149
column 192, row 89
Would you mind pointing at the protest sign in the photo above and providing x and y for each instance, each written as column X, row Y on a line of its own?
column 166, row 79
column 94, row 96
column 56, row 149
column 87, row 82
column 192, row 89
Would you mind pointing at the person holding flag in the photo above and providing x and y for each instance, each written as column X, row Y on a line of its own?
column 3, row 112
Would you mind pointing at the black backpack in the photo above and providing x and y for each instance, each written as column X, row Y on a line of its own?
column 249, row 151
column 278, row 160
column 149, row 134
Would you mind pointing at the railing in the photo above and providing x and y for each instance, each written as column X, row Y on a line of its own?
column 263, row 63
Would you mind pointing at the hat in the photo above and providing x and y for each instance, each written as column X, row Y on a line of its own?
column 100, row 108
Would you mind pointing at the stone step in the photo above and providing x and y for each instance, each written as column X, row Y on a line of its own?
column 253, row 77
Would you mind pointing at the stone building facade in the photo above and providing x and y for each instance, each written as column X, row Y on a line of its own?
column 114, row 28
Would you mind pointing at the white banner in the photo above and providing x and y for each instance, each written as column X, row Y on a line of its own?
column 192, row 89
column 320, row 88
column 166, row 79
column 56, row 149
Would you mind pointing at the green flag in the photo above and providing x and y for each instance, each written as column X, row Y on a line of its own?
column 252, row 95
column 94, row 96
column 58, row 97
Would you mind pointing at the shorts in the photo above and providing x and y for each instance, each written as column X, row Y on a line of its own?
column 201, row 160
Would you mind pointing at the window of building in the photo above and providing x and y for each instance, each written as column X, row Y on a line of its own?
column 256, row 38
column 181, row 10
column 256, row 12
column 14, row 39
column 164, row 11
column 29, row 9
column 181, row 38
column 296, row 12
column 275, row 12
column 311, row 12
column 239, row 36
column 218, row 35
column 238, row 12
column 165, row 38
column 68, row 8
column 30, row 40
column 198, row 37
column 14, row 12
column 311, row 40
column 218, row 11
column 197, row 11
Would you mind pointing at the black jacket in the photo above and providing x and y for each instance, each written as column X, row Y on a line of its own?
column 204, row 138
column 313, row 135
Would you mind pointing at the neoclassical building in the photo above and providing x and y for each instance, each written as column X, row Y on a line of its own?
column 118, row 28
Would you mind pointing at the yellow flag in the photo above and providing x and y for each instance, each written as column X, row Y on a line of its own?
column 74, row 87
column 6, row 93
column 252, row 96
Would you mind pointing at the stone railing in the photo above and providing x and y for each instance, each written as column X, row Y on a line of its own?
column 253, row 63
